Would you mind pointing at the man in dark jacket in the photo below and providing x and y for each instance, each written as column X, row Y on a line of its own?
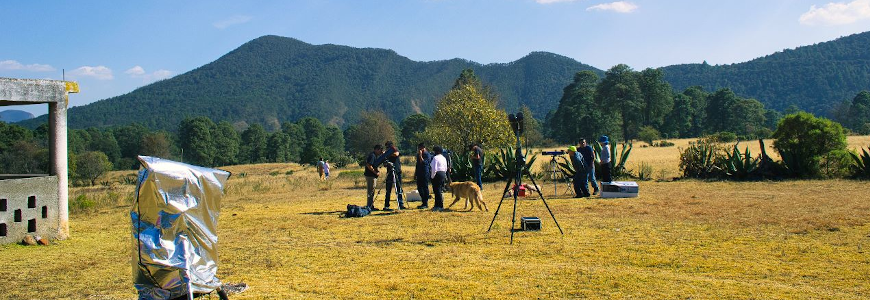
column 422, row 173
column 589, row 161
column 394, row 176
column 580, row 185
column 371, row 173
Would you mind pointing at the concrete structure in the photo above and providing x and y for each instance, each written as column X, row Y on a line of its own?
column 32, row 203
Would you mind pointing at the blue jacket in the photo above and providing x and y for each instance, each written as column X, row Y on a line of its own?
column 422, row 170
column 577, row 162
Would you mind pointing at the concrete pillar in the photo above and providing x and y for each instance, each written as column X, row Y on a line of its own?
column 58, row 157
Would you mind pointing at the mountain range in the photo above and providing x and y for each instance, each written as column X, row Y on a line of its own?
column 12, row 116
column 273, row 79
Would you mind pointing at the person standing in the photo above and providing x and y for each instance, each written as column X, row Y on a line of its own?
column 580, row 185
column 422, row 173
column 394, row 176
column 326, row 169
column 438, row 169
column 371, row 173
column 604, row 141
column 589, row 161
column 320, row 169
column 477, row 164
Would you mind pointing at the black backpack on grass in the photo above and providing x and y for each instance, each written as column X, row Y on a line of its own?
column 355, row 211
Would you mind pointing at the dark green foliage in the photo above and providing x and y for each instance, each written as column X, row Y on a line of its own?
column 196, row 139
column 278, row 147
column 297, row 136
column 373, row 129
column 503, row 165
column 656, row 94
column 861, row 168
column 700, row 160
column 648, row 134
column 10, row 133
column 617, row 162
column 740, row 166
column 855, row 114
column 722, row 137
column 252, row 150
column 462, row 169
column 91, row 165
column 23, row 157
column 104, row 141
column 814, row 77
column 579, row 114
column 227, row 143
column 802, row 139
column 272, row 79
column 620, row 92
column 411, row 127
column 836, row 164
column 129, row 138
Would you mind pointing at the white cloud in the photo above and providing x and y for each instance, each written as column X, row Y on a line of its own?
column 15, row 65
column 134, row 71
column 619, row 6
column 839, row 13
column 98, row 72
column 553, row 1
column 139, row 72
column 234, row 20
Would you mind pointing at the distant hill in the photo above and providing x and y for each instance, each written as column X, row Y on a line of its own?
column 12, row 116
column 814, row 78
column 273, row 79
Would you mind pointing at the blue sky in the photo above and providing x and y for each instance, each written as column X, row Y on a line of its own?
column 113, row 47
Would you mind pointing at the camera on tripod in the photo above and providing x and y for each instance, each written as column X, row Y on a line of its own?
column 516, row 123
column 553, row 153
column 388, row 164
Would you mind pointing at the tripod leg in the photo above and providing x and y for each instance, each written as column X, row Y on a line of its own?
column 514, row 218
column 500, row 202
column 546, row 205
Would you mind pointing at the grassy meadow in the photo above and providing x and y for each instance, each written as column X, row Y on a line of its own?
column 281, row 233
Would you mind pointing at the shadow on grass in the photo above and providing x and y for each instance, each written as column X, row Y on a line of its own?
column 320, row 213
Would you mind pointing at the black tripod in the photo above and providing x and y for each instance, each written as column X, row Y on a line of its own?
column 516, row 123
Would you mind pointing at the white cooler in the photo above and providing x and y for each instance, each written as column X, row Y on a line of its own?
column 619, row 189
column 413, row 196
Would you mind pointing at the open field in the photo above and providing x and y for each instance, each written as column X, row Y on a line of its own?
column 282, row 235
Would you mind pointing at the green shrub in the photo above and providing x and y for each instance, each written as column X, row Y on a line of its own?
column 740, row 166
column 722, row 137
column 274, row 173
column 503, row 164
column 663, row 144
column 802, row 139
column 702, row 160
column 648, row 134
column 82, row 203
column 644, row 171
column 861, row 168
column 836, row 164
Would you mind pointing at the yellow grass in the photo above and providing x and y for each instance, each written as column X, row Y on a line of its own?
column 282, row 235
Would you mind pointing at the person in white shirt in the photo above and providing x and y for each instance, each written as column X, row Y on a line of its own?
column 438, row 167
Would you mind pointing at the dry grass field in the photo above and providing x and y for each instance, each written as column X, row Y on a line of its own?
column 282, row 235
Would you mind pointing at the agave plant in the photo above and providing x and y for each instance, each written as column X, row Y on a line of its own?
column 462, row 169
column 861, row 168
column 504, row 163
column 740, row 165
column 617, row 163
column 701, row 160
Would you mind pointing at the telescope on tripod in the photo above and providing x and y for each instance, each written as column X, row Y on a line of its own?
column 517, row 126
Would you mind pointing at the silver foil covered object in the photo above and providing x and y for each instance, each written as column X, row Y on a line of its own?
column 174, row 222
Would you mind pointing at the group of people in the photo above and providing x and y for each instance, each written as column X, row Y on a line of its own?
column 432, row 167
column 583, row 160
column 323, row 169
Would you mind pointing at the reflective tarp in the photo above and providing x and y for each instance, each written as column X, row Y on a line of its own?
column 174, row 222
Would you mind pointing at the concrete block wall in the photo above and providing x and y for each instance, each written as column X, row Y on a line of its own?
column 29, row 206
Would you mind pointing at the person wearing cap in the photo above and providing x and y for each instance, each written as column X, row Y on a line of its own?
column 371, row 173
column 580, row 185
column 589, row 161
column 604, row 141
column 394, row 176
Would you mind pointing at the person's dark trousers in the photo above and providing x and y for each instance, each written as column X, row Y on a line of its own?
column 390, row 189
column 605, row 172
column 437, row 185
column 581, row 188
column 478, row 171
column 423, row 187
